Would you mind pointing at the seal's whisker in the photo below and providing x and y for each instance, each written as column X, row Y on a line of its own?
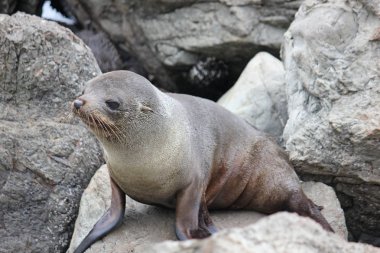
column 82, row 115
column 115, row 130
column 102, row 124
column 96, row 128
column 104, row 127
column 120, row 133
column 108, row 126
column 85, row 117
column 90, row 121
column 117, row 133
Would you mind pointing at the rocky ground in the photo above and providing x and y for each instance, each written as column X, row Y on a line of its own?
column 319, row 96
column 281, row 232
column 144, row 226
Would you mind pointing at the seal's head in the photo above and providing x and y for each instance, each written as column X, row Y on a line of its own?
column 113, row 104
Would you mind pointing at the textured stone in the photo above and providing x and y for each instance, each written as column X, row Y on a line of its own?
column 259, row 95
column 104, row 51
column 46, row 160
column 170, row 37
column 282, row 232
column 145, row 225
column 331, row 56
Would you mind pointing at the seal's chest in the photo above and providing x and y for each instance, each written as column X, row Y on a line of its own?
column 146, row 185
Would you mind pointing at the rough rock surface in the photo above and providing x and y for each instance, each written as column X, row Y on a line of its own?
column 145, row 225
column 281, row 232
column 45, row 160
column 104, row 51
column 331, row 55
column 259, row 95
column 170, row 37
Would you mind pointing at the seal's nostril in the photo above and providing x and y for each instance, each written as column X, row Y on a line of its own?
column 78, row 103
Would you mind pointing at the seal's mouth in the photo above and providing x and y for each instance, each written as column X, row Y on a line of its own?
column 100, row 125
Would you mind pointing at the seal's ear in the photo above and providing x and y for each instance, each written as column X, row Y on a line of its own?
column 145, row 108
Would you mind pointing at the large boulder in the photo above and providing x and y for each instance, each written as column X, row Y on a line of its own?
column 331, row 55
column 183, row 42
column 145, row 225
column 46, row 160
column 282, row 232
column 259, row 96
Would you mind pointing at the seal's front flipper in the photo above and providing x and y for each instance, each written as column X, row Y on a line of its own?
column 110, row 220
column 204, row 219
column 192, row 219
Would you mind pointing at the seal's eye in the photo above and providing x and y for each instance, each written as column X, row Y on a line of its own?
column 113, row 105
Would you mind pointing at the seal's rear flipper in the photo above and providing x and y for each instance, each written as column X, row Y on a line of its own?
column 300, row 204
column 109, row 221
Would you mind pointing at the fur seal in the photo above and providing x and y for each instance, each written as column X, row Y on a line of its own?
column 186, row 153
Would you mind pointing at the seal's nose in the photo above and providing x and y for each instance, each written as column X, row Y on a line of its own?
column 78, row 103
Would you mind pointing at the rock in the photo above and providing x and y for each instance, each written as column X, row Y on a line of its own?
column 281, row 232
column 171, row 37
column 104, row 51
column 145, row 225
column 331, row 54
column 45, row 160
column 259, row 95
column 324, row 195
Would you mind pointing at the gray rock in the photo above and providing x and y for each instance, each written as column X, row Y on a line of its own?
column 145, row 225
column 258, row 96
column 324, row 195
column 281, row 232
column 170, row 37
column 46, row 160
column 104, row 51
column 331, row 54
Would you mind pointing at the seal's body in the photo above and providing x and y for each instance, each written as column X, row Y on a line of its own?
column 202, row 140
column 186, row 153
